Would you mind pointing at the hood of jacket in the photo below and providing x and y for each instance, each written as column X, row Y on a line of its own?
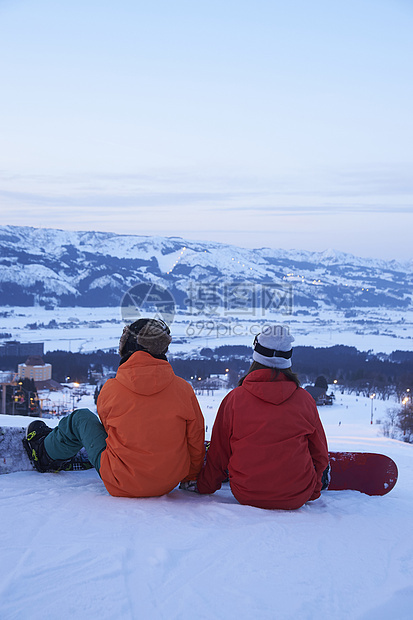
column 144, row 374
column 260, row 384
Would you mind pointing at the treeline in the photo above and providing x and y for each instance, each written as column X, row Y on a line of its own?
column 68, row 366
column 398, row 423
column 355, row 370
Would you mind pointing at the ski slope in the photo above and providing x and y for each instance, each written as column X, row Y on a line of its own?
column 69, row 550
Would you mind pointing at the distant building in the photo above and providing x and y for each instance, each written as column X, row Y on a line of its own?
column 35, row 368
column 319, row 392
column 21, row 349
column 208, row 385
column 319, row 395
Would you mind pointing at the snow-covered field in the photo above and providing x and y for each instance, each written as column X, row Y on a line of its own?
column 89, row 329
column 70, row 550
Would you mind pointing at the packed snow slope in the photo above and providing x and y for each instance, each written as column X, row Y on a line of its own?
column 69, row 550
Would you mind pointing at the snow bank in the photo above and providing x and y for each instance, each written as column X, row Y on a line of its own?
column 70, row 550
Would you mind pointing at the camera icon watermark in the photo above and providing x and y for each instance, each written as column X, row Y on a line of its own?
column 147, row 299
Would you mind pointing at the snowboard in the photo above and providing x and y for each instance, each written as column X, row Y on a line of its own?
column 367, row 472
column 14, row 457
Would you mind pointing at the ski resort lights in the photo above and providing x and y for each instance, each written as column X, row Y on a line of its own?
column 177, row 260
column 407, row 398
column 242, row 264
column 294, row 276
column 372, row 396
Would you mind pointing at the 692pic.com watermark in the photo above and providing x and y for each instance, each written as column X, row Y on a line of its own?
column 219, row 329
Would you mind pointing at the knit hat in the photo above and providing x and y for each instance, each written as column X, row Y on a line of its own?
column 150, row 335
column 272, row 347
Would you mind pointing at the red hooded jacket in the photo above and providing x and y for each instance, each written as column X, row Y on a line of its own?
column 155, row 429
column 269, row 436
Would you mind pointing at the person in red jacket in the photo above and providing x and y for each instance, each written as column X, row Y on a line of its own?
column 267, row 433
column 150, row 435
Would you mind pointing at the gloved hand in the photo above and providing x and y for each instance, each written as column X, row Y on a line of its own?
column 189, row 486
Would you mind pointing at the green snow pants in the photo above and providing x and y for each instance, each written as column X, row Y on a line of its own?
column 80, row 429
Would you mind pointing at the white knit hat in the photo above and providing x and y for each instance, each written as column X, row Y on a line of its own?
column 272, row 347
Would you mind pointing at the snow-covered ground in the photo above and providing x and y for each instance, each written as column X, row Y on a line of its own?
column 70, row 550
column 89, row 329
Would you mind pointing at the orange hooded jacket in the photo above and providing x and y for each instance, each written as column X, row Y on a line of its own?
column 155, row 429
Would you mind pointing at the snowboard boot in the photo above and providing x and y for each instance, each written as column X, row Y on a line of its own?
column 326, row 477
column 34, row 445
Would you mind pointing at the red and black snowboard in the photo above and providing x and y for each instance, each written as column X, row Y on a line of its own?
column 367, row 472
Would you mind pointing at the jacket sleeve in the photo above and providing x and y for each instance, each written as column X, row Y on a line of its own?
column 195, row 434
column 215, row 469
column 105, row 401
column 102, row 403
column 317, row 444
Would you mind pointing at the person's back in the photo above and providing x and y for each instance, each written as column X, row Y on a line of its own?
column 155, row 428
column 268, row 434
column 150, row 435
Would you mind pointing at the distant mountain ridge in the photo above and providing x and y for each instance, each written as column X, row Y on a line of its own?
column 56, row 267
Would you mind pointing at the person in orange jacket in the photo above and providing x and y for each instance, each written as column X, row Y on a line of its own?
column 150, row 435
column 267, row 434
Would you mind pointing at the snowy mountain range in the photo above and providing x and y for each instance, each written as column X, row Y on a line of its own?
column 62, row 268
